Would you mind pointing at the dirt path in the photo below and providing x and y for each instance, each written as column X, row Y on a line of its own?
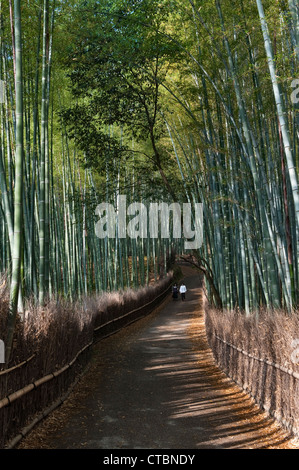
column 155, row 386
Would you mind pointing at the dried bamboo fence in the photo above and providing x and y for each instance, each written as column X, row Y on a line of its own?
column 254, row 365
column 26, row 398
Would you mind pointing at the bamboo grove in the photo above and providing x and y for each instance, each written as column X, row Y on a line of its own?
column 179, row 100
column 249, row 141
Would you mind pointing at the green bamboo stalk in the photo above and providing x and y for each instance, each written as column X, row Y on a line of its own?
column 43, row 162
column 280, row 111
column 293, row 7
column 18, row 203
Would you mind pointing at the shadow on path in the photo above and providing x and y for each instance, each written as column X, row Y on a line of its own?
column 155, row 385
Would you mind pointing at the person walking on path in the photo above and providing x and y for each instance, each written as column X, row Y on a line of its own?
column 175, row 291
column 183, row 290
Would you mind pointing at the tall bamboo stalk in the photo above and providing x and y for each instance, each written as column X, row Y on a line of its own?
column 43, row 197
column 18, row 193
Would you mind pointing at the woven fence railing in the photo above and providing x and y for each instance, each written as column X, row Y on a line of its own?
column 41, row 396
column 260, row 359
column 17, row 366
column 275, row 388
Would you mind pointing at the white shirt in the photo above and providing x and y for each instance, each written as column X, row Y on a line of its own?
column 183, row 289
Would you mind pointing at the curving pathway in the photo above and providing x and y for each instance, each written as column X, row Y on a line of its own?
column 155, row 386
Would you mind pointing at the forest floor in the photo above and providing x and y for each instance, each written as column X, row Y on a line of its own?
column 155, row 385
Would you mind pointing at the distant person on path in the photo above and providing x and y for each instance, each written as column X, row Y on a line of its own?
column 183, row 290
column 175, row 291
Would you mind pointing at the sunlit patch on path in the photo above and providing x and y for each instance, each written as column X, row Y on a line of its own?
column 155, row 385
